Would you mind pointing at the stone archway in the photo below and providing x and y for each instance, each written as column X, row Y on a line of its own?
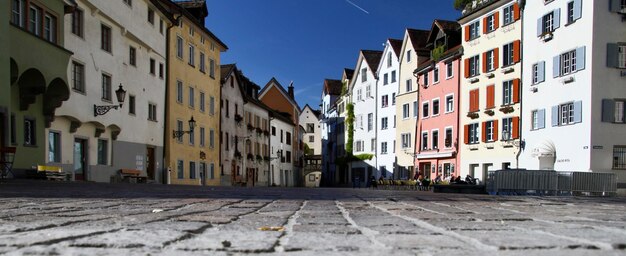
column 56, row 93
column 31, row 83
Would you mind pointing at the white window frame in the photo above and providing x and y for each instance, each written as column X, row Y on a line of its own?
column 424, row 140
column 507, row 54
column 508, row 13
column 474, row 63
column 566, row 113
column 449, row 70
column 474, row 30
column 449, row 109
column 425, row 109
column 474, row 130
column 436, row 75
column 384, row 123
column 406, row 140
column 406, row 111
column 451, row 136
column 568, row 63
column 434, row 143
column 432, row 110
column 507, row 92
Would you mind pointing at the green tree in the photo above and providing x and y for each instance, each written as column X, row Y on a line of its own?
column 350, row 122
column 460, row 4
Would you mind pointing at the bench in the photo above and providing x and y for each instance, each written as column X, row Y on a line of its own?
column 460, row 188
column 132, row 176
column 53, row 172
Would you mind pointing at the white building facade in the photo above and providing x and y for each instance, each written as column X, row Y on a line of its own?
column 233, row 128
column 582, row 129
column 386, row 91
column 281, row 172
column 309, row 119
column 329, row 121
column 114, row 44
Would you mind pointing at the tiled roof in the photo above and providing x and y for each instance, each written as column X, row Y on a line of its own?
column 349, row 73
column 225, row 71
column 396, row 45
column 419, row 38
column 332, row 86
column 372, row 58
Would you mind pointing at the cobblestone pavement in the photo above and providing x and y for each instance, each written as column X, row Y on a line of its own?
column 48, row 218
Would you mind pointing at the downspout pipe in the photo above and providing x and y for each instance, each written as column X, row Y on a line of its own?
column 167, row 171
column 522, row 143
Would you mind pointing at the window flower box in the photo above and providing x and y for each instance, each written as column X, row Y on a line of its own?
column 250, row 127
column 250, row 157
column 489, row 112
column 237, row 154
column 506, row 109
column 472, row 115
column 238, row 118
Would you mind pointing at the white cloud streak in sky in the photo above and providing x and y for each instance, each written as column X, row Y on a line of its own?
column 359, row 7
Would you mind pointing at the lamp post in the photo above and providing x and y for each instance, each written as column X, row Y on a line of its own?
column 179, row 134
column 120, row 94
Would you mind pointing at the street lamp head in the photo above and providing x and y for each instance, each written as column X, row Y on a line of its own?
column 120, row 93
column 192, row 124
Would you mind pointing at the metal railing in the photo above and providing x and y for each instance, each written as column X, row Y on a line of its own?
column 540, row 182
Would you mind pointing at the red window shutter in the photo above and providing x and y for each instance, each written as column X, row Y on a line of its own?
column 472, row 97
column 516, row 51
column 490, row 96
column 496, row 58
column 483, row 132
column 484, row 62
column 466, row 134
column 496, row 20
column 467, row 33
column 516, row 11
column 515, row 127
column 495, row 130
column 516, row 91
column 477, row 98
column 467, row 68
column 485, row 25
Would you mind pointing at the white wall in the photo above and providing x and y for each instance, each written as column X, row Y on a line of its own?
column 388, row 135
column 366, row 105
column 308, row 117
column 230, row 127
column 281, row 173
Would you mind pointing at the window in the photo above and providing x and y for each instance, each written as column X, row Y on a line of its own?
column 389, row 59
column 288, row 156
column 405, row 111
column 363, row 75
column 132, row 56
column 566, row 113
column 191, row 97
column 570, row 12
column 507, row 92
column 474, row 100
column 192, row 170
column 273, row 131
column 30, row 133
column 574, row 10
column 385, row 101
column 358, row 95
column 310, row 128
column 78, row 77
column 131, row 104
column 211, row 138
column 416, row 109
column 621, row 56
column 510, row 53
column 150, row 16
column 192, row 138
column 568, row 62
column 449, row 70
column 425, row 110
column 383, row 148
column 180, row 169
column 370, row 121
column 77, row 22
column 472, row 133
column 191, row 31
column 409, row 85
column 212, row 68
column 474, row 30
column 106, row 87
column 490, row 24
column 489, row 61
column 152, row 112
column 360, row 146
column 384, row 123
column 179, row 47
column 103, row 147
column 368, row 92
column 160, row 70
column 227, row 142
column 202, row 108
column 50, row 28
column 489, row 131
column 435, row 107
column 507, row 128
column 227, row 112
column 311, row 138
column 393, row 76
column 474, row 64
column 192, row 55
column 508, row 13
column 426, row 80
column 424, row 141
column 539, row 72
column 152, row 66
column 385, row 79
column 449, row 103
column 211, row 105
column 202, row 63
column 393, row 99
column 54, row 147
column 34, row 20
column 17, row 12
column 619, row 112
column 547, row 24
column 202, row 136
column 408, row 56
column 179, row 91
column 448, row 138
column 105, row 38
column 179, row 127
column 435, row 135
column 538, row 119
column 13, row 129
column 436, row 75
column 161, row 26
column 406, row 140
column 288, row 138
column 212, row 171
column 619, row 156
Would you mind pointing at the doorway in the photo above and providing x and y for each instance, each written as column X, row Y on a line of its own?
column 203, row 174
column 151, row 162
column 80, row 159
column 425, row 169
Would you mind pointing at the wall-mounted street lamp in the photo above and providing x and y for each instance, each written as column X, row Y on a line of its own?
column 179, row 134
column 120, row 94
column 279, row 154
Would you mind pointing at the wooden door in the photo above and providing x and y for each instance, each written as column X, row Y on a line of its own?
column 150, row 162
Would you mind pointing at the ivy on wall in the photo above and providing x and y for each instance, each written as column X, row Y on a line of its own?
column 350, row 122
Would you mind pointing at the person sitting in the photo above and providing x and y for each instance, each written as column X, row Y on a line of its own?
column 438, row 179
column 426, row 183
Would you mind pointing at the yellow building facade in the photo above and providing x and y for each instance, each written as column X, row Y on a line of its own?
column 192, row 154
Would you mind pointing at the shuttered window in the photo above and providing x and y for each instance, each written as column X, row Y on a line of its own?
column 616, row 55
column 567, row 113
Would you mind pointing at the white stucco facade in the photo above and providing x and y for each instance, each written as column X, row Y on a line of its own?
column 232, row 131
column 281, row 172
column 312, row 129
column 387, row 89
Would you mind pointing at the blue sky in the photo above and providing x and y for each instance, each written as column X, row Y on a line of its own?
column 306, row 41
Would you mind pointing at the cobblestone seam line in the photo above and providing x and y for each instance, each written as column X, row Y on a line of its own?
column 370, row 234
column 423, row 224
column 288, row 233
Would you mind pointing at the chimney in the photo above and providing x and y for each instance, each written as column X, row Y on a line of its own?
column 290, row 90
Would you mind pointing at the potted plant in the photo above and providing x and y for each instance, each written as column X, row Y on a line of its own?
column 489, row 112
column 238, row 118
column 259, row 158
column 506, row 109
column 472, row 115
column 250, row 156
column 250, row 127
column 259, row 131
column 237, row 154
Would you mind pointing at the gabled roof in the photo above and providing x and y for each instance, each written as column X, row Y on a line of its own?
column 281, row 89
column 332, row 86
column 372, row 58
column 315, row 112
column 348, row 73
column 226, row 70
column 418, row 37
column 396, row 45
column 448, row 27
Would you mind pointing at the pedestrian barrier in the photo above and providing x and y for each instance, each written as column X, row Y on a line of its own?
column 541, row 182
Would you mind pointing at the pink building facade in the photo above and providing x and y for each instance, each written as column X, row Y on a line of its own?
column 436, row 144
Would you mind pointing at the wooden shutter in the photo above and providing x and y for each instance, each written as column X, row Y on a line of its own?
column 556, row 66
column 484, row 62
column 466, row 134
column 580, row 58
column 496, row 20
column 557, row 19
column 491, row 96
column 485, row 28
column 467, row 33
column 496, row 58
column 516, row 12
column 516, row 90
column 495, row 130
column 467, row 68
column 539, row 27
column 578, row 8
column 515, row 127
column 471, row 101
column 615, row 5
column 516, row 51
column 608, row 110
column 612, row 55
column 578, row 111
column 541, row 71
column 483, row 132
column 477, row 99
column 555, row 115
column 541, row 118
